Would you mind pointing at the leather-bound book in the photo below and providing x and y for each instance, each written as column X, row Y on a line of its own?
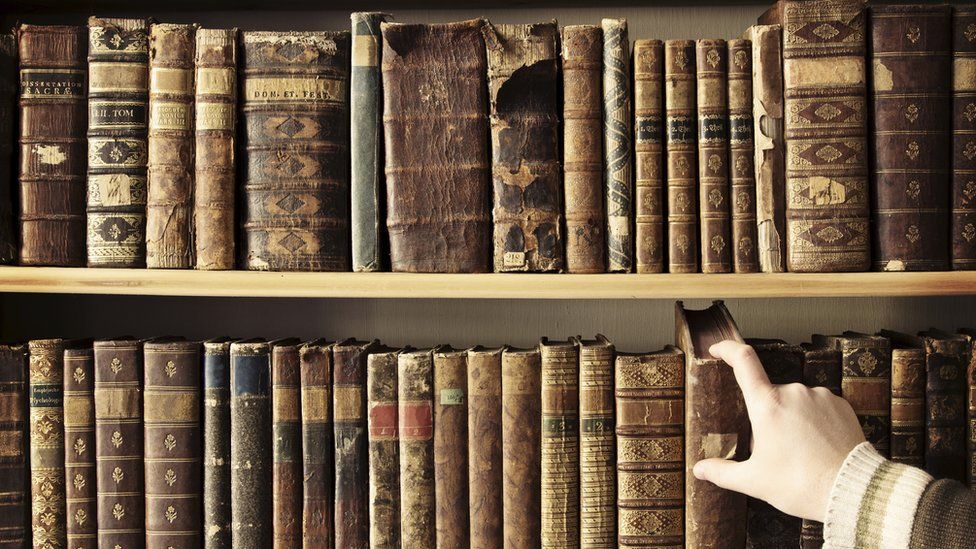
column 415, row 395
column 617, row 174
column 649, row 155
column 15, row 516
column 214, row 176
column 582, row 54
column 485, row 460
column 770, row 145
column 366, row 143
column 286, row 443
column 174, row 501
column 315, row 358
column 963, row 224
column 296, row 166
column 8, row 93
column 681, row 138
column 827, row 206
column 742, row 176
column 947, row 359
column 118, row 106
column 970, row 336
column 716, row 426
column 250, row 444
column 598, row 474
column 821, row 368
column 649, row 390
column 119, row 443
column 46, row 458
column 435, row 119
column 521, row 447
column 216, row 443
column 79, row 448
column 713, row 156
column 523, row 89
column 451, row 446
column 169, row 202
column 560, row 481
column 908, row 405
column 384, row 450
column 53, row 158
column 911, row 89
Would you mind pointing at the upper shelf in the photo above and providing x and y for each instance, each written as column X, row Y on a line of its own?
column 480, row 286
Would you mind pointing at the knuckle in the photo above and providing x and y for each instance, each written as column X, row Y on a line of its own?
column 744, row 354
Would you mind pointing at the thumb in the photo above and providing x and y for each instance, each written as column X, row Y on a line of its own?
column 725, row 473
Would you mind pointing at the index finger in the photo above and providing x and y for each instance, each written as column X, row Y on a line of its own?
column 749, row 372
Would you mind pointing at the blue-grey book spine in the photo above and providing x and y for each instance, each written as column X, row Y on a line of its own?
column 250, row 444
column 216, row 444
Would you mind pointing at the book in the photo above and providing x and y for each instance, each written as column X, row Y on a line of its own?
column 287, row 474
column 821, row 368
column 315, row 363
column 435, row 119
column 521, row 446
column 450, row 398
column 214, row 143
column 295, row 109
column 911, row 57
column 649, row 393
column 81, row 508
column 169, row 199
column 119, row 443
column 827, row 191
column 366, row 143
column 649, row 155
column 384, row 449
column 716, row 426
column 582, row 55
column 970, row 336
column 681, row 140
column 118, row 105
column 742, row 176
column 46, row 457
column 8, row 95
column 963, row 223
column 947, row 358
column 415, row 419
column 598, row 474
column 523, row 93
column 216, row 443
column 617, row 174
column 908, row 405
column 173, row 435
column 53, row 159
column 15, row 511
column 485, row 460
column 711, row 58
column 560, row 452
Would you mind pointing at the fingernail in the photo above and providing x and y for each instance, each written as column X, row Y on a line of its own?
column 699, row 471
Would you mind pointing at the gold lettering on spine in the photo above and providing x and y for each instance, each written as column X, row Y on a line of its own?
column 117, row 77
column 167, row 80
column 214, row 116
column 294, row 89
column 170, row 115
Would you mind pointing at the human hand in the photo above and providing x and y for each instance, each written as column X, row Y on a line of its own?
column 800, row 438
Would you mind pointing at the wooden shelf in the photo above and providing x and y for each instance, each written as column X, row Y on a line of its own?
column 480, row 286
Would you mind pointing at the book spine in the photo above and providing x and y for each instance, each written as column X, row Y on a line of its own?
column 560, row 482
column 451, row 447
column 53, row 158
column 713, row 156
column 582, row 54
column 169, row 227
column 963, row 225
column 617, row 146
column 317, row 450
column 598, row 497
column 216, row 445
column 215, row 108
column 821, row 368
column 945, row 407
column 681, row 146
column 521, row 445
column 485, row 447
column 745, row 258
column 416, row 428
column 46, row 397
column 118, row 101
column 351, row 446
column 866, row 385
column 971, row 416
column 286, row 446
column 366, row 144
column 8, row 116
column 384, row 451
column 649, row 154
column 908, row 406
column 119, row 443
column 15, row 516
column 79, row 448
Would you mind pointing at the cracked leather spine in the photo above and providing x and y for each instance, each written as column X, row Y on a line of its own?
column 15, row 515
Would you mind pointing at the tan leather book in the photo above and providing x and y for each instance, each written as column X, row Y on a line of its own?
column 8, row 116
column 485, row 462
column 617, row 146
column 15, row 507
column 384, row 449
column 649, row 155
column 415, row 418
column 79, row 448
column 970, row 335
column 963, row 225
column 560, row 481
column 521, row 445
column 598, row 467
column 681, row 146
column 286, row 443
column 450, row 397
column 47, row 478
column 745, row 258
column 713, row 156
column 908, row 405
column 216, row 444
column 318, row 486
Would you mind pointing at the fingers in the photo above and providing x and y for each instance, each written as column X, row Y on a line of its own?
column 749, row 373
column 724, row 473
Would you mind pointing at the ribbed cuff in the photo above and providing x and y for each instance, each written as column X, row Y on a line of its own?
column 872, row 502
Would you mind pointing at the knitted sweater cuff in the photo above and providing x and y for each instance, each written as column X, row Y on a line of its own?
column 873, row 502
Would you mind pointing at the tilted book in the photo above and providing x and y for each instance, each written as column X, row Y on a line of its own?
column 821, row 368
column 450, row 398
column 742, row 176
column 970, row 336
column 384, row 449
column 649, row 155
column 963, row 225
column 681, row 138
column 711, row 57
column 598, row 467
column 286, row 443
column 907, row 403
column 315, row 358
column 415, row 419
column 617, row 141
column 521, row 446
column 216, row 443
column 46, row 458
column 79, row 448
column 560, row 481
column 485, row 446
column 8, row 116
column 15, row 515
column 947, row 358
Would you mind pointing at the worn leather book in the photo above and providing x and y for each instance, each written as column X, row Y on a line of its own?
column 216, row 443
column 681, row 140
column 963, row 224
column 713, row 156
column 451, row 446
column 173, row 433
column 582, row 55
column 821, row 368
column 910, row 51
column 560, row 480
column 770, row 145
column 742, row 176
column 250, row 444
column 716, row 425
column 296, row 174
column 598, row 475
column 118, row 105
column 15, row 516
column 384, row 449
column 523, row 92
column 521, row 406
column 415, row 418
column 315, row 363
column 485, row 460
column 169, row 202
column 79, row 449
column 8, row 94
column 947, row 358
column 649, row 390
column 366, row 143
column 970, row 336
column 435, row 118
column 286, row 443
column 827, row 206
column 53, row 158
column 908, row 404
column 214, row 175
column 617, row 169
column 649, row 155
column 46, row 458
column 119, row 442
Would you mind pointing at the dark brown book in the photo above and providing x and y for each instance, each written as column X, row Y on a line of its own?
column 908, row 405
column 910, row 50
column 318, row 485
column 970, row 336
column 560, row 478
column 15, row 515
column 649, row 155
column 598, row 466
column 716, row 426
column 963, row 225
column 46, row 458
column 681, row 138
column 617, row 146
column 286, row 444
column 438, row 183
column 742, row 176
column 713, row 156
column 523, row 92
column 296, row 168
column 8, row 118
column 216, row 444
column 649, row 390
column 415, row 418
column 947, row 359
column 450, row 398
column 582, row 55
column 521, row 445
column 79, row 448
column 384, row 449
column 53, row 155
column 485, row 462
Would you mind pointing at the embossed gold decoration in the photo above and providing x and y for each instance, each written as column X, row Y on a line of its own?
column 116, row 365
column 79, row 481
column 913, row 234
column 912, row 150
column 867, row 362
column 712, row 58
column 913, row 34
column 913, row 189
column 682, row 243
column 169, row 442
column 171, row 514
column 911, row 112
column 118, row 511
column 81, row 516
column 970, row 150
column 970, row 112
column 79, row 374
column 170, row 477
column 80, row 446
column 715, row 163
column 116, row 439
column 970, row 32
column 715, row 197
column 969, row 232
column 117, row 475
column 717, row 243
column 170, row 368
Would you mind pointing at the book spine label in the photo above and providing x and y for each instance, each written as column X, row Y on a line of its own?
column 351, row 446
column 485, row 447
column 250, row 445
column 286, row 446
column 46, row 397
column 680, row 136
column 945, row 407
column 15, row 516
column 770, row 146
column 963, row 225
column 908, row 406
column 216, row 445
column 79, row 448
column 745, row 258
column 416, row 429
column 521, row 445
column 713, row 156
column 617, row 137
column 582, row 55
column 866, row 385
column 384, row 450
column 451, row 447
column 8, row 116
column 317, row 449
column 649, row 154
column 598, row 479
column 560, row 484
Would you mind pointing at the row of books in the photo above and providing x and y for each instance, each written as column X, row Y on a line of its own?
column 224, row 443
